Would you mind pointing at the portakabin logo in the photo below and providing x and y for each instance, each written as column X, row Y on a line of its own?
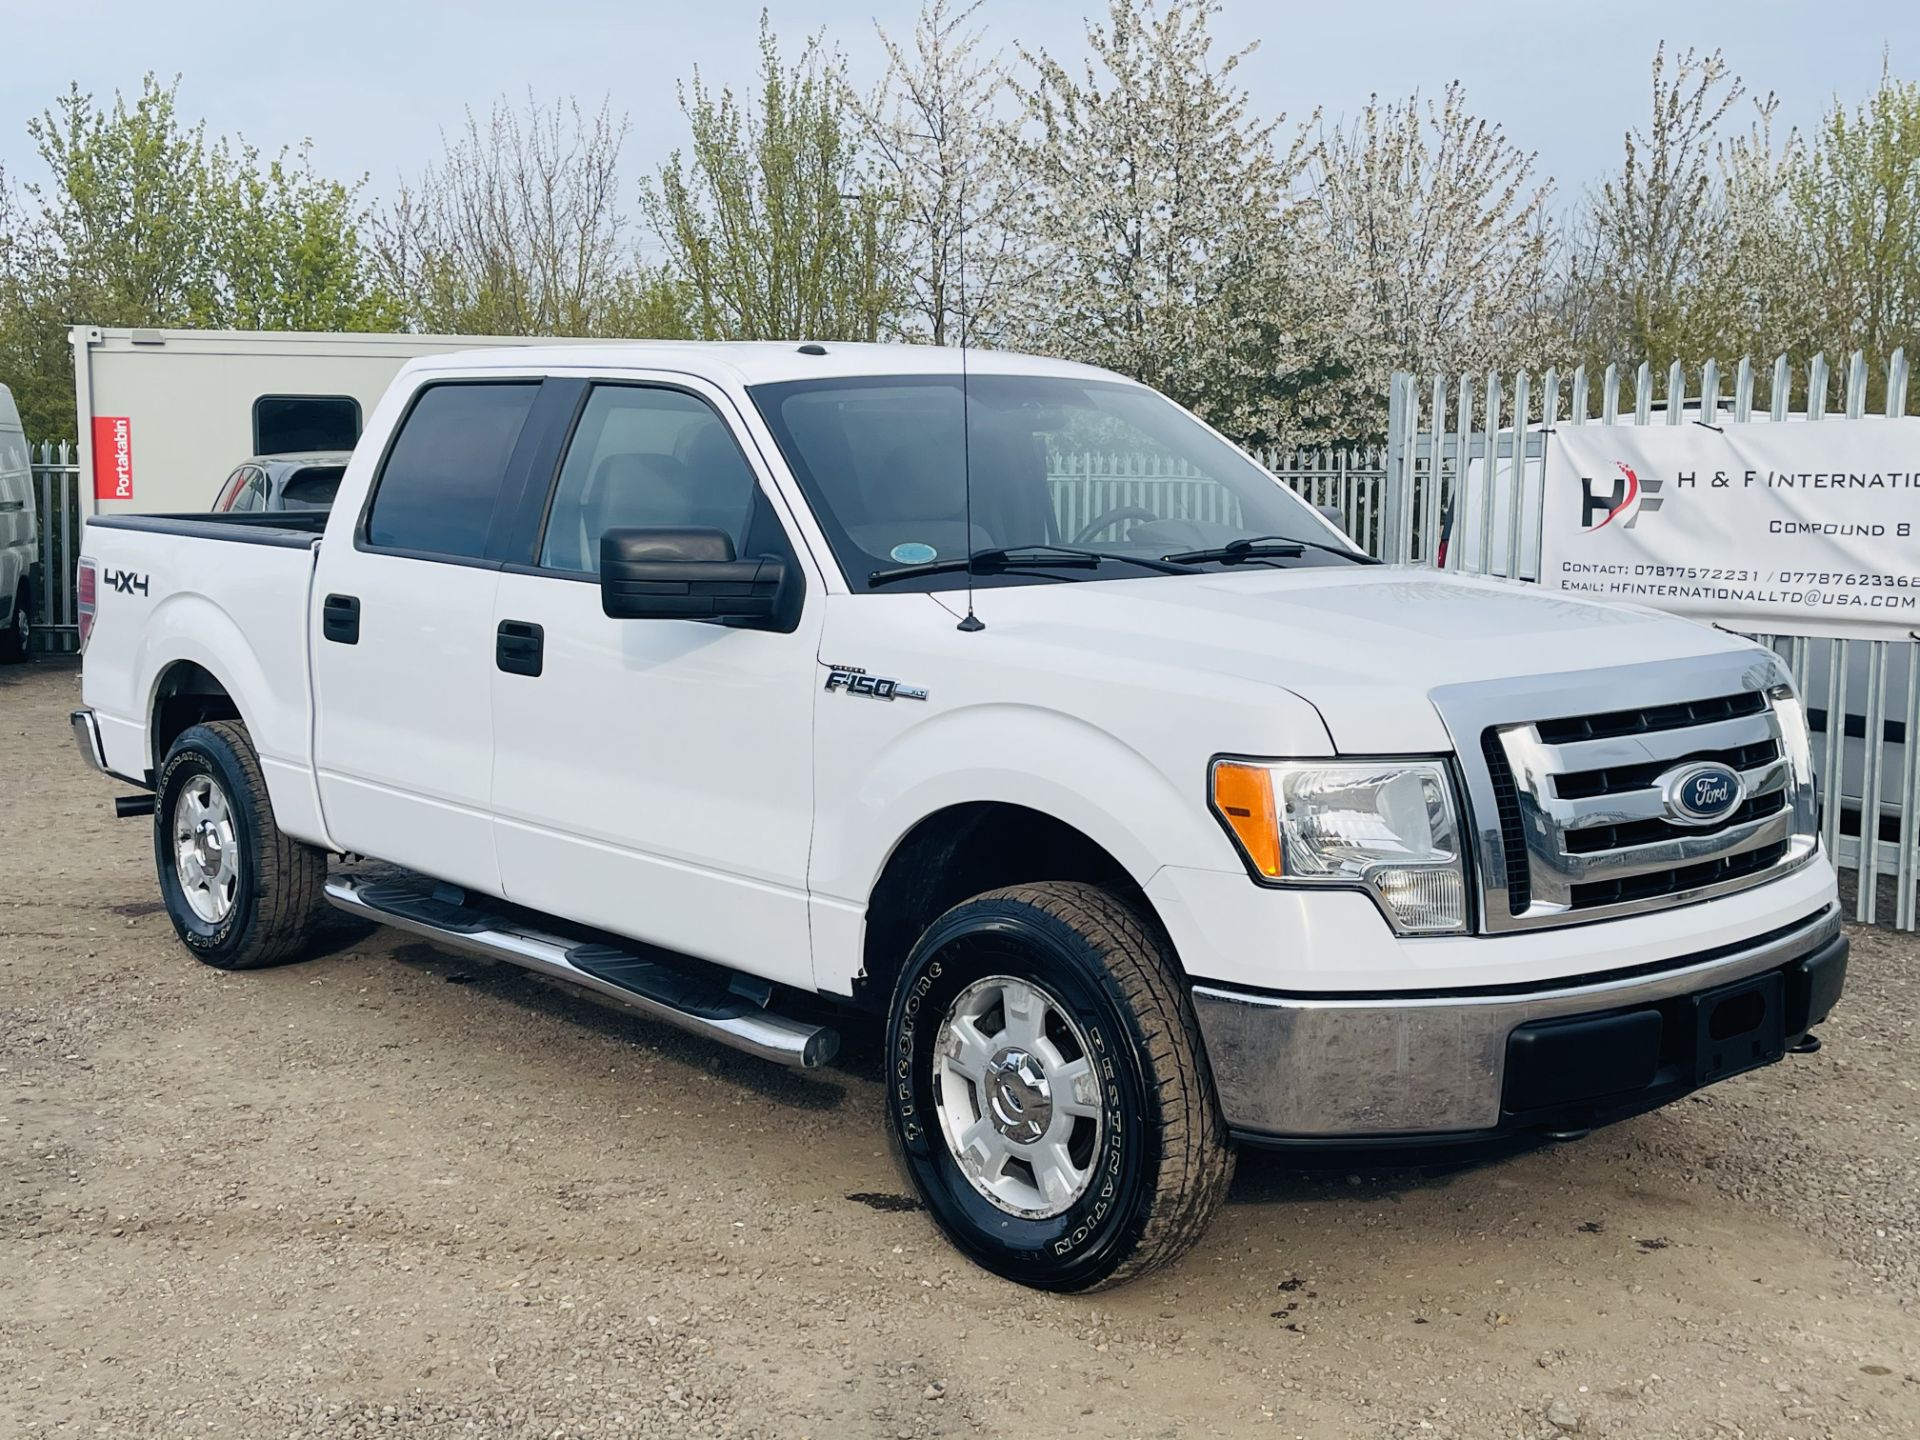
column 1628, row 496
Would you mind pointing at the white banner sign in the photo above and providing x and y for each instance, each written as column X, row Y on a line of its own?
column 1794, row 528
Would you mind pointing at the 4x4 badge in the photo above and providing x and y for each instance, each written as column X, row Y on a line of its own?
column 856, row 681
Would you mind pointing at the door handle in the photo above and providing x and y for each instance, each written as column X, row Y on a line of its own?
column 340, row 619
column 519, row 647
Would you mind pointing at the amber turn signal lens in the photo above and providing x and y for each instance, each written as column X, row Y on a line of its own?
column 1243, row 796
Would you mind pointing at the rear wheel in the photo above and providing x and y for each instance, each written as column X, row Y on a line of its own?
column 17, row 637
column 1048, row 1092
column 241, row 894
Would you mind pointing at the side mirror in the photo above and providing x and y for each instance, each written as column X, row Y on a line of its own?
column 686, row 574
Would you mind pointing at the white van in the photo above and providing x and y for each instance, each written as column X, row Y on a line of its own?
column 16, row 534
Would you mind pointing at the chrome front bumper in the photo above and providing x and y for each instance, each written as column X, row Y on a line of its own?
column 1327, row 1067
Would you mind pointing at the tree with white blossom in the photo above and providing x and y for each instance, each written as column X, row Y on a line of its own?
column 935, row 140
column 1752, row 295
column 1158, row 213
column 1637, row 281
column 1432, row 236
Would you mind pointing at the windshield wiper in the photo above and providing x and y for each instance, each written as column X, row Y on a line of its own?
column 1023, row 557
column 1265, row 547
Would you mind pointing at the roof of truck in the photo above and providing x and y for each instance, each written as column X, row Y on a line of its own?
column 756, row 362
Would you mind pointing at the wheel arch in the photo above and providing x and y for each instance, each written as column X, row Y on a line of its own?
column 962, row 850
column 185, row 693
column 193, row 688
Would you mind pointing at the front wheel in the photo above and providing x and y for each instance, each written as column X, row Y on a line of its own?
column 240, row 893
column 1048, row 1091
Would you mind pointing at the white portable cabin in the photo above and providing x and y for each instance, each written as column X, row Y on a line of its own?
column 165, row 415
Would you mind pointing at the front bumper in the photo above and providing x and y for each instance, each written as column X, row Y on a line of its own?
column 1561, row 1056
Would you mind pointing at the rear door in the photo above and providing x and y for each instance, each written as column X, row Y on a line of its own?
column 16, row 517
column 403, row 634
column 654, row 777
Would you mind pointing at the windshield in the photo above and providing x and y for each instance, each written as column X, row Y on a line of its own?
column 1055, row 462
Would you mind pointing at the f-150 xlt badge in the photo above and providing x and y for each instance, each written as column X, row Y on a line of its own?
column 856, row 681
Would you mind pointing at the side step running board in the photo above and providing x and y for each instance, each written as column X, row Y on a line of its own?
column 654, row 987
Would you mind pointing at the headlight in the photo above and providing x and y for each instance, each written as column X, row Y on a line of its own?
column 1386, row 826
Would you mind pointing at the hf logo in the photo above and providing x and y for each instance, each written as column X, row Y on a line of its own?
column 1625, row 498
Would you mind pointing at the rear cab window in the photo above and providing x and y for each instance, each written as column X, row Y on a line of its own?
column 441, row 480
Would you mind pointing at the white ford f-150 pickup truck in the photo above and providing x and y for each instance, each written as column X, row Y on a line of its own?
column 1153, row 817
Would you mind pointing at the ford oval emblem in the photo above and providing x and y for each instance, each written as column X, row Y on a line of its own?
column 1701, row 794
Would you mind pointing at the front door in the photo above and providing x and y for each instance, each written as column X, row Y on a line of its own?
column 654, row 778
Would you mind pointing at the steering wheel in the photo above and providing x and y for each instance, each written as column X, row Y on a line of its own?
column 1112, row 517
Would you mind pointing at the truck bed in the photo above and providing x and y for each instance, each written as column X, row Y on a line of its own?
column 294, row 529
column 206, row 601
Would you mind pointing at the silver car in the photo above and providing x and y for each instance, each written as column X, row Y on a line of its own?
column 283, row 482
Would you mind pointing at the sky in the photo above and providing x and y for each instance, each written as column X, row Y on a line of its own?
column 373, row 85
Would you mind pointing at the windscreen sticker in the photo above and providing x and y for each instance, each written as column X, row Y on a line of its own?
column 912, row 552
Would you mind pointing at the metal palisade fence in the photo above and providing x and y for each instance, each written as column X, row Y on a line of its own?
column 1088, row 484
column 1465, row 468
column 57, row 505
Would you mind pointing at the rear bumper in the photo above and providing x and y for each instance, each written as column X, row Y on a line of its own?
column 86, row 739
column 1474, row 1064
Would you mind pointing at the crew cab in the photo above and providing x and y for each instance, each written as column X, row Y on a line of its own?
column 1149, row 821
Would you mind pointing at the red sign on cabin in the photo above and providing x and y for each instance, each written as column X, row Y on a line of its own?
column 112, row 457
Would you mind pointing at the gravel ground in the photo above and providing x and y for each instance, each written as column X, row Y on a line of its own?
column 396, row 1192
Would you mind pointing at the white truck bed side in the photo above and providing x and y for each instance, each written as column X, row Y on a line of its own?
column 232, row 600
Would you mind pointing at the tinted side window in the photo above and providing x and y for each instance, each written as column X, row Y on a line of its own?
column 437, row 489
column 230, row 491
column 252, row 494
column 646, row 457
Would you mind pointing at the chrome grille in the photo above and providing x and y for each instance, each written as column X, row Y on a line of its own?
column 1685, row 715
column 1571, row 818
column 1513, row 832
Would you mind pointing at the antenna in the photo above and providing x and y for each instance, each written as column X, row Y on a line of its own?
column 972, row 622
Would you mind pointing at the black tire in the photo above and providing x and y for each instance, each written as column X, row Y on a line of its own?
column 1163, row 1165
column 15, row 640
column 276, row 889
